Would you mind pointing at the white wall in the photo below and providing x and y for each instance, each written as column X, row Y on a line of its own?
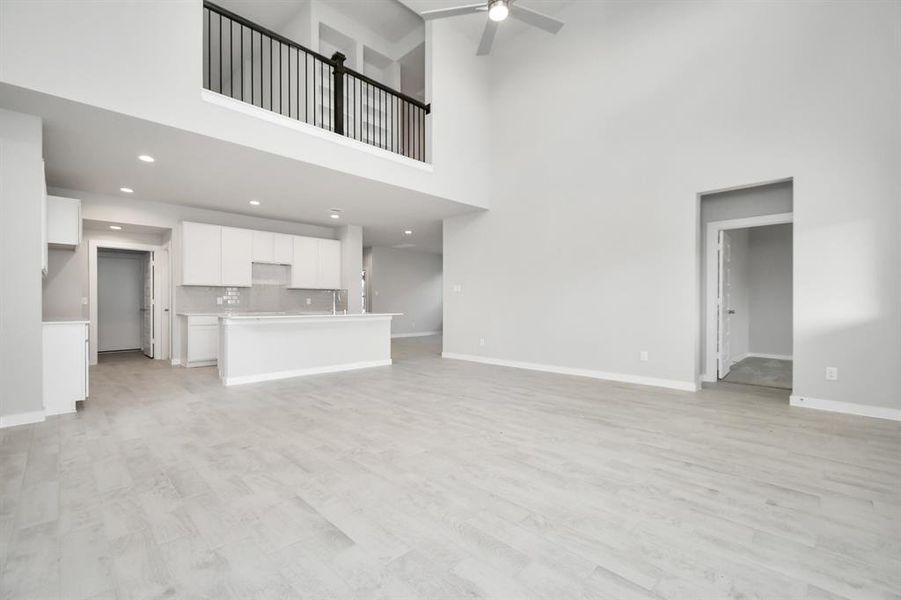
column 351, row 237
column 770, row 289
column 21, row 349
column 164, row 86
column 589, row 253
column 409, row 282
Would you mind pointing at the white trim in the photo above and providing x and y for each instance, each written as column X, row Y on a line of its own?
column 417, row 334
column 325, row 134
column 304, row 372
column 25, row 418
column 848, row 408
column 688, row 386
column 712, row 237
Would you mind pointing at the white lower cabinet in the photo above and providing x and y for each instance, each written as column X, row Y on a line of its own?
column 65, row 365
column 200, row 340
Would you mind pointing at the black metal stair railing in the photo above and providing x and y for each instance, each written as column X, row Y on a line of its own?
column 250, row 63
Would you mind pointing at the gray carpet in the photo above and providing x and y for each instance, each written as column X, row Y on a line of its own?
column 762, row 371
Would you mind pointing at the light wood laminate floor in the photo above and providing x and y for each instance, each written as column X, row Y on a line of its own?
column 441, row 479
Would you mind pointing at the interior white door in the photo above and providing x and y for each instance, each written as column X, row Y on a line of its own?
column 120, row 291
column 147, row 307
column 723, row 304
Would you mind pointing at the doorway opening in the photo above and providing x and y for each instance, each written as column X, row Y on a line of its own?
column 754, row 305
column 125, row 299
column 129, row 296
column 747, row 285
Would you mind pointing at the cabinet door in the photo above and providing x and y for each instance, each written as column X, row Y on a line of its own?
column 305, row 266
column 263, row 246
column 237, row 257
column 63, row 221
column 283, row 249
column 329, row 265
column 45, row 257
column 201, row 254
column 203, row 343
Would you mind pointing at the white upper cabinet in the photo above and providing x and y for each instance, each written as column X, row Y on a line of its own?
column 201, row 254
column 263, row 247
column 45, row 257
column 273, row 248
column 283, row 249
column 237, row 257
column 63, row 221
column 213, row 255
column 305, row 266
column 317, row 264
column 329, row 265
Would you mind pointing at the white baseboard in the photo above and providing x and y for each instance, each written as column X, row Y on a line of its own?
column 25, row 418
column 688, row 386
column 304, row 372
column 708, row 378
column 848, row 408
column 175, row 362
column 772, row 356
column 416, row 334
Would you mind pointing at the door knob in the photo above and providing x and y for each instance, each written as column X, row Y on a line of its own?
column 730, row 311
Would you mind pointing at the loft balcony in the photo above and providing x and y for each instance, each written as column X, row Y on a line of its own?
column 252, row 64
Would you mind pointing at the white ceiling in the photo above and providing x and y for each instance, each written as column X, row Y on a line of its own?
column 389, row 19
column 94, row 150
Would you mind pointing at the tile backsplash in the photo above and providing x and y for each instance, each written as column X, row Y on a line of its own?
column 269, row 293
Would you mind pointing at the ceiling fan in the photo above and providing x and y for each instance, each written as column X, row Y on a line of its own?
column 498, row 10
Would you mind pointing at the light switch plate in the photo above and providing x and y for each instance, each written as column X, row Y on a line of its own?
column 831, row 373
column 458, row 288
column 643, row 356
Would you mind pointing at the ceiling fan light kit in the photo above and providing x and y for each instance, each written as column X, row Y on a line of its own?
column 498, row 11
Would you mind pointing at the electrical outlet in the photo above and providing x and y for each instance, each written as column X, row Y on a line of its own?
column 413, row 324
column 458, row 288
column 643, row 356
column 309, row 301
column 481, row 341
column 831, row 373
column 84, row 301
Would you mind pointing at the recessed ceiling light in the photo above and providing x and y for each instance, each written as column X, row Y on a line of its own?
column 146, row 158
column 254, row 202
column 335, row 216
column 335, row 213
column 408, row 232
column 116, row 227
column 127, row 190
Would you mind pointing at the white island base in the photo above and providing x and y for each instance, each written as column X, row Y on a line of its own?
column 264, row 348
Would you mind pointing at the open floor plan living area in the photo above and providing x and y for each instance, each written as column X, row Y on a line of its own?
column 437, row 300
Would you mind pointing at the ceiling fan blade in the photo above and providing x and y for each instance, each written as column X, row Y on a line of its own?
column 442, row 13
column 487, row 38
column 535, row 18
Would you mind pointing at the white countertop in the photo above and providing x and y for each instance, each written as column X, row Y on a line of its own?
column 66, row 321
column 301, row 316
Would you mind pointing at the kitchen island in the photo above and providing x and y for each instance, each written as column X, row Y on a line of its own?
column 267, row 347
